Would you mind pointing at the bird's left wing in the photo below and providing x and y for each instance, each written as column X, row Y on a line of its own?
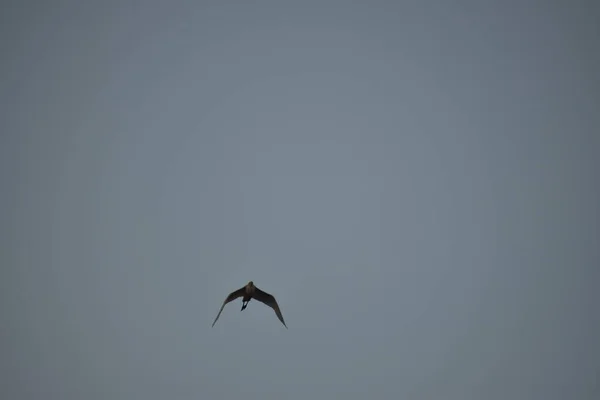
column 232, row 296
column 269, row 300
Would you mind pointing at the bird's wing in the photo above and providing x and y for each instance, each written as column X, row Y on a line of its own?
column 232, row 296
column 269, row 300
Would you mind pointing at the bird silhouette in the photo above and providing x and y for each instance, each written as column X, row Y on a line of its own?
column 252, row 292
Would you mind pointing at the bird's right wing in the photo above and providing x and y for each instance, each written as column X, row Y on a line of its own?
column 269, row 300
column 232, row 296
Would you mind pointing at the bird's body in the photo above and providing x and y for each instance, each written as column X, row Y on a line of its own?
column 249, row 292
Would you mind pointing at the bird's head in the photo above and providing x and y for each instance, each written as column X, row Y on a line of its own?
column 251, row 284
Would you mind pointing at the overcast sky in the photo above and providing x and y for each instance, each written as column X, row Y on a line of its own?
column 416, row 182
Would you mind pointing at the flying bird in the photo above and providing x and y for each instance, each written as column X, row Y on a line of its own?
column 252, row 292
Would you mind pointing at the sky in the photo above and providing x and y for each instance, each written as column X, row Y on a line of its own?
column 414, row 181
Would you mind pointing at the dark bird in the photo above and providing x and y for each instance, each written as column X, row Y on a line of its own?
column 252, row 292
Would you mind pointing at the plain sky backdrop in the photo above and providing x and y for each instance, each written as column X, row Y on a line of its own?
column 415, row 181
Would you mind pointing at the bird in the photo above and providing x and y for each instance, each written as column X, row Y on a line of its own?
column 250, row 291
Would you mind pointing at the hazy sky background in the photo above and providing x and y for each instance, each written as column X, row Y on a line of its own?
column 416, row 182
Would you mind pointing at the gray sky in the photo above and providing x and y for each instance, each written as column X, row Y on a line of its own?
column 416, row 182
